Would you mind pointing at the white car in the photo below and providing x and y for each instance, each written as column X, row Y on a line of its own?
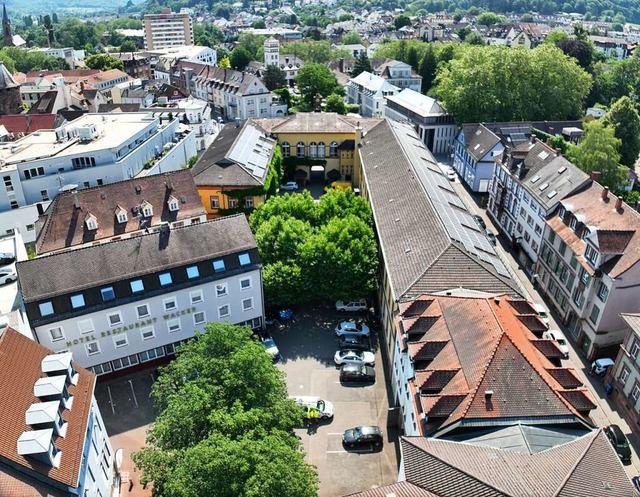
column 354, row 357
column 558, row 337
column 271, row 348
column 543, row 313
column 289, row 186
column 354, row 305
column 8, row 275
column 324, row 407
column 451, row 174
column 351, row 328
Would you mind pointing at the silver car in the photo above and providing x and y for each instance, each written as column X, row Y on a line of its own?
column 351, row 328
column 354, row 357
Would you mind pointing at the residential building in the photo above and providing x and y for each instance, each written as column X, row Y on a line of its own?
column 102, row 214
column 132, row 301
column 136, row 65
column 473, row 156
column 399, row 74
column 463, row 363
column 167, row 30
column 283, row 33
column 10, row 101
column 370, row 92
column 355, row 49
column 327, row 138
column 271, row 52
column 20, row 125
column 237, row 161
column 162, row 60
column 71, row 56
column 290, row 64
column 435, row 126
column 428, row 240
column 613, row 47
column 95, row 149
column 53, row 439
column 22, row 220
column 529, row 181
column 589, row 266
column 576, row 466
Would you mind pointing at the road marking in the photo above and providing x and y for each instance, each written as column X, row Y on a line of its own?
column 337, row 452
column 335, row 433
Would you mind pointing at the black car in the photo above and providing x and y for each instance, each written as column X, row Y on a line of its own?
column 363, row 435
column 6, row 258
column 479, row 221
column 357, row 373
column 354, row 343
column 490, row 236
column 619, row 442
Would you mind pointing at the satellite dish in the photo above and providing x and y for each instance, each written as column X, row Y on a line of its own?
column 119, row 455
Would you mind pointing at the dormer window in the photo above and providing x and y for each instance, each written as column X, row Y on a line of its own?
column 591, row 254
column 562, row 213
column 147, row 209
column 173, row 204
column 573, row 223
column 121, row 215
column 91, row 222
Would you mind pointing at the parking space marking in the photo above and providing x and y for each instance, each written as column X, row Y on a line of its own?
column 340, row 433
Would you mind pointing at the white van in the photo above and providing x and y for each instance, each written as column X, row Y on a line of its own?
column 325, row 408
column 558, row 337
column 543, row 313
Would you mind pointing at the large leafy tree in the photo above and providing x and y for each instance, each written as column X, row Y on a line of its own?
column 362, row 64
column 274, row 78
column 623, row 118
column 598, row 151
column 494, row 83
column 225, row 424
column 104, row 62
column 240, row 58
column 489, row 19
column 316, row 78
column 580, row 50
column 335, row 103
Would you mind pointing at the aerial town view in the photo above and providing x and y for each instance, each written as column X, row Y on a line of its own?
column 320, row 248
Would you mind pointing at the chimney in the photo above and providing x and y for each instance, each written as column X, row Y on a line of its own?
column 533, row 138
column 237, row 121
column 596, row 176
column 40, row 209
column 76, row 202
column 619, row 203
column 559, row 152
column 605, row 193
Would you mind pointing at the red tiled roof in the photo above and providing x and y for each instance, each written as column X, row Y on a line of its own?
column 548, row 348
column 565, row 377
column 27, row 123
column 20, row 367
column 614, row 241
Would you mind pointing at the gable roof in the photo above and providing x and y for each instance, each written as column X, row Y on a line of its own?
column 420, row 104
column 20, row 368
column 315, row 122
column 6, row 79
column 62, row 226
column 428, row 238
column 478, row 140
column 28, row 123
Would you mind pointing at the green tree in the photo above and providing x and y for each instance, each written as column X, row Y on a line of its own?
column 224, row 62
column 284, row 284
column 580, row 50
column 259, row 24
column 489, row 19
column 252, row 43
column 401, row 21
column 284, row 94
column 240, row 58
column 598, row 151
column 556, row 36
column 206, row 34
column 335, row 103
column 274, row 78
column 104, row 62
column 361, row 65
column 222, row 404
column 128, row 46
column 316, row 78
column 279, row 238
column 474, row 38
column 624, row 119
column 427, row 68
column 352, row 38
column 413, row 58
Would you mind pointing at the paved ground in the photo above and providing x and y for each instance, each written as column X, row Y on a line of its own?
column 307, row 346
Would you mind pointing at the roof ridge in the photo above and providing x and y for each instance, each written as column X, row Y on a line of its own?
column 565, row 480
column 435, row 260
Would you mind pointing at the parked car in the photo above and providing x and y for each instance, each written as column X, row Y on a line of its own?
column 357, row 373
column 451, row 174
column 543, row 313
column 354, row 357
column 271, row 347
column 7, row 275
column 355, row 342
column 354, row 305
column 600, row 366
column 619, row 442
column 352, row 328
column 636, row 482
column 490, row 236
column 324, row 407
column 363, row 435
column 479, row 221
column 289, row 186
column 7, row 258
column 558, row 337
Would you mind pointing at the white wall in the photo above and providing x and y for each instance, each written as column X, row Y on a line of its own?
column 23, row 220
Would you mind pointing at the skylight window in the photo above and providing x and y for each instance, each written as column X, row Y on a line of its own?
column 544, row 186
column 552, row 194
column 543, row 155
column 562, row 169
column 535, row 179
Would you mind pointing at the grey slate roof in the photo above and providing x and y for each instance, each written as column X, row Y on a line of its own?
column 6, row 79
column 479, row 140
column 428, row 238
column 398, row 489
column 88, row 267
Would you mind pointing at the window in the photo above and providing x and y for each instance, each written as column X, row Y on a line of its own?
column 562, row 213
column 603, row 292
column 522, row 212
column 244, row 259
column 173, row 204
column 86, row 326
column 101, row 368
column 147, row 210
column 165, row 279
column 313, row 150
column 529, row 220
column 221, row 290
column 107, row 293
column 77, row 301
column 233, row 203
column 192, row 272
column 125, row 362
column 142, row 311
column 173, row 325
column 223, row 311
column 199, row 318
column 624, row 374
column 300, row 149
column 552, row 237
column 286, row 150
column 595, row 312
column 321, row 150
column 170, row 304
column 215, row 201
column 196, row 297
column 635, row 393
column 247, row 304
column 248, row 202
column 333, row 149
column 149, row 355
column 573, row 223
column 46, row 309
column 147, row 333
column 136, row 286
column 218, row 265
column 92, row 348
column 56, row 334
column 44, row 196
column 245, row 283
column 635, row 348
column 120, row 341
column 114, row 319
column 591, row 254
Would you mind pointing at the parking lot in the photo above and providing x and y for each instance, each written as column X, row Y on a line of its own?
column 307, row 345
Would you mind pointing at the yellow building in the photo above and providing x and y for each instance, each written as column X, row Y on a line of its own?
column 323, row 142
column 232, row 173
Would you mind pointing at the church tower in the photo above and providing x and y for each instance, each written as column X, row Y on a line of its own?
column 10, row 99
column 272, row 52
column 6, row 28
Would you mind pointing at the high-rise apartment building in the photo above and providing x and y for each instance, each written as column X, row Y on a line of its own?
column 167, row 30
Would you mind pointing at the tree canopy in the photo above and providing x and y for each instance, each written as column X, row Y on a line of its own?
column 16, row 59
column 225, row 424
column 316, row 78
column 335, row 103
column 362, row 64
column 240, row 58
column 104, row 62
column 623, row 118
column 316, row 250
column 274, row 78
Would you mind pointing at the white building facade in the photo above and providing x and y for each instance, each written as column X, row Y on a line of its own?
column 370, row 92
